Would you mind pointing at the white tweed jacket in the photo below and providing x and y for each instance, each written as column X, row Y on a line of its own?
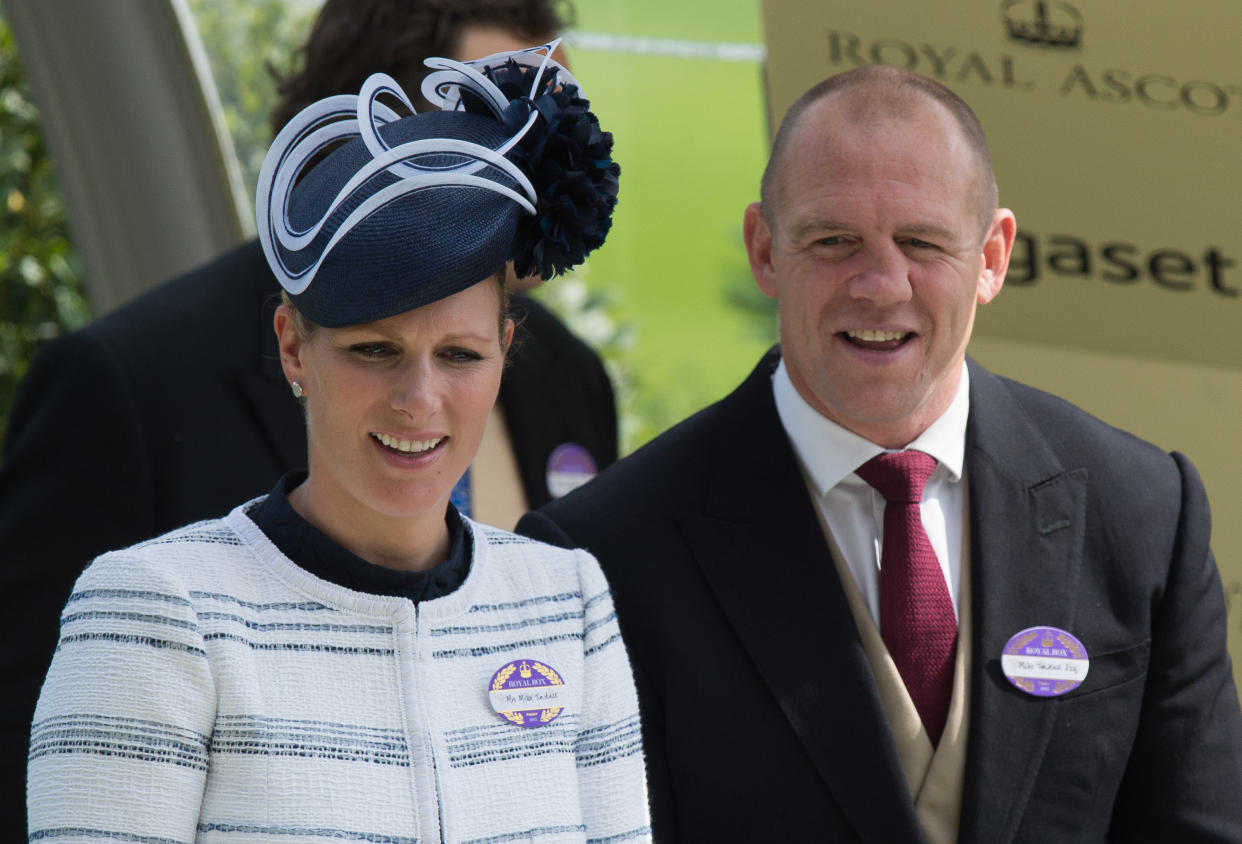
column 206, row 688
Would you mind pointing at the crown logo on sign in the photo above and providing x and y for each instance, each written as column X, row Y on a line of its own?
column 1046, row 642
column 1039, row 22
column 524, row 670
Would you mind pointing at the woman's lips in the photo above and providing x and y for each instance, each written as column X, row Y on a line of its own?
column 406, row 446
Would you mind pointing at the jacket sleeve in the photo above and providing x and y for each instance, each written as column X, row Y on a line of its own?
column 609, row 749
column 119, row 743
column 74, row 483
column 1184, row 777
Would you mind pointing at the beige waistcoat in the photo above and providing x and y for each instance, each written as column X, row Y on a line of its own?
column 934, row 775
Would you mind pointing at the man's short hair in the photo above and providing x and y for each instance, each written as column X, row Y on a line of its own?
column 892, row 91
column 351, row 39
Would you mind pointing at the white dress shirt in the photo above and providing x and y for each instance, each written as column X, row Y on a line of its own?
column 853, row 510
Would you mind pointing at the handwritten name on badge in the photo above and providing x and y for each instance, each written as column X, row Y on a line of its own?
column 528, row 693
column 1045, row 661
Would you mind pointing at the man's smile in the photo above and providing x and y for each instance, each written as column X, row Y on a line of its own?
column 880, row 341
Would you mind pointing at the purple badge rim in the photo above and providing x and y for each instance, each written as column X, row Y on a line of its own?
column 1020, row 644
column 572, row 459
column 527, row 668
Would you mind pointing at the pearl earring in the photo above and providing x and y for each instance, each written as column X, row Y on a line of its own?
column 297, row 389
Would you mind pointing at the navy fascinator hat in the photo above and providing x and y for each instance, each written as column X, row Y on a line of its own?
column 364, row 213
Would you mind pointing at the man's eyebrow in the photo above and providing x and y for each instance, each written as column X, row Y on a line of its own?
column 926, row 228
column 818, row 224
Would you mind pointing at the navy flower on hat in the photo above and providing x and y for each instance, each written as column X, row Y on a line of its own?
column 364, row 213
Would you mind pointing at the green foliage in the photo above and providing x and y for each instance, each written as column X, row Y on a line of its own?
column 594, row 314
column 243, row 40
column 41, row 293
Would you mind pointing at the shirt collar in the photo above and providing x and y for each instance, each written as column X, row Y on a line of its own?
column 314, row 551
column 829, row 453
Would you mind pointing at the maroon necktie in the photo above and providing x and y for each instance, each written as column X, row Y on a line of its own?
column 916, row 614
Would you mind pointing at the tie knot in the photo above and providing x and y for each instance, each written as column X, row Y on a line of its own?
column 899, row 476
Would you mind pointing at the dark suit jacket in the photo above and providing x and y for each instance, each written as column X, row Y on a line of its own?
column 761, row 714
column 174, row 409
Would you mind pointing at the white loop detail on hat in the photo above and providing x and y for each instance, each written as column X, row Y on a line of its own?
column 344, row 117
column 443, row 86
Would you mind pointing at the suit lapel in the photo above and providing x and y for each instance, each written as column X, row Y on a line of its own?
column 1027, row 522
column 764, row 555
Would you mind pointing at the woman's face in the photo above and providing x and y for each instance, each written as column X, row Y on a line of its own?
column 396, row 408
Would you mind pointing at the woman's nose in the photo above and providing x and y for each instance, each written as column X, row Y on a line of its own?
column 416, row 390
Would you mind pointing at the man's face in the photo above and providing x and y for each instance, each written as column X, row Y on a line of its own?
column 877, row 260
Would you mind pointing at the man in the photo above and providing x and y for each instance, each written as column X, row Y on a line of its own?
column 174, row 408
column 818, row 663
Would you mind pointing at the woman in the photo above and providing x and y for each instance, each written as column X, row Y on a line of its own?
column 348, row 657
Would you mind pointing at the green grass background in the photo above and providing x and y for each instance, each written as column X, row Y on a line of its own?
column 691, row 140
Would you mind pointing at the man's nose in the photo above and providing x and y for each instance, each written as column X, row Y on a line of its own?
column 882, row 276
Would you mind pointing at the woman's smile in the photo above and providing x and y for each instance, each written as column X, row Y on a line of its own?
column 412, row 453
column 407, row 446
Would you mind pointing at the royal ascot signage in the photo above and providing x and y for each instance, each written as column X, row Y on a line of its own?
column 1116, row 135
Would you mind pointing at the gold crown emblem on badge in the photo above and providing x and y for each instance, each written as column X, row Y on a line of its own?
column 1046, row 641
column 524, row 670
column 1040, row 22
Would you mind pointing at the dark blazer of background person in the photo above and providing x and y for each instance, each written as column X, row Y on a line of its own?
column 762, row 719
column 174, row 409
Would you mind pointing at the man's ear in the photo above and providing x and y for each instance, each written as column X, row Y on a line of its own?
column 997, row 247
column 291, row 342
column 758, row 237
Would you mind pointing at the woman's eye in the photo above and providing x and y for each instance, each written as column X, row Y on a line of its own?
column 371, row 350
column 462, row 355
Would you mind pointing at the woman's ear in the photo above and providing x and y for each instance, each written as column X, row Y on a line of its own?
column 291, row 342
column 507, row 339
